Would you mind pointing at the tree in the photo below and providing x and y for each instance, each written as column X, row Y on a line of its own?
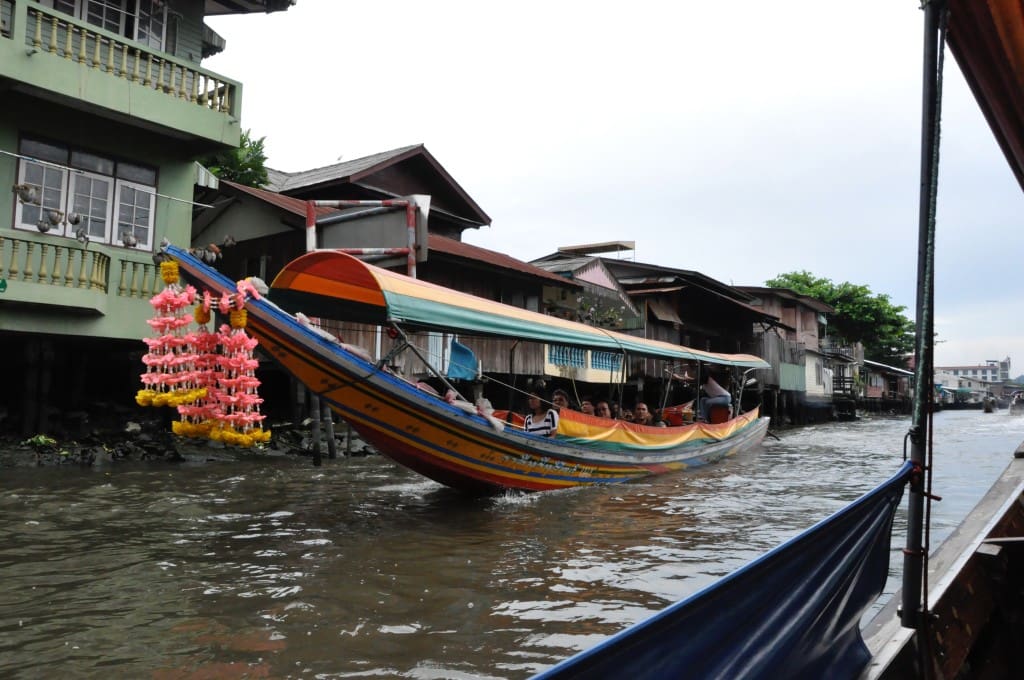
column 860, row 316
column 244, row 165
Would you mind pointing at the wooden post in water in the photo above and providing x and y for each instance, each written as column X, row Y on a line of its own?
column 328, row 418
column 314, row 428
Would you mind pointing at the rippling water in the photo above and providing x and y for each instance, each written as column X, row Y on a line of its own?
column 359, row 569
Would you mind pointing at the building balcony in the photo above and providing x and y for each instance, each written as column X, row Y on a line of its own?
column 55, row 272
column 53, row 56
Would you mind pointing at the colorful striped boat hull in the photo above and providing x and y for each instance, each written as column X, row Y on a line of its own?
column 434, row 438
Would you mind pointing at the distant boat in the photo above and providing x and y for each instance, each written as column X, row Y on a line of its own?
column 446, row 438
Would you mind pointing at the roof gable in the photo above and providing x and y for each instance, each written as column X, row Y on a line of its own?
column 388, row 174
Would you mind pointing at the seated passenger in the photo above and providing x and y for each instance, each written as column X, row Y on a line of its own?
column 560, row 399
column 541, row 420
column 716, row 396
column 642, row 414
column 659, row 419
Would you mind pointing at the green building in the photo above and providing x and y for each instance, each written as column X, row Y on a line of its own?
column 104, row 108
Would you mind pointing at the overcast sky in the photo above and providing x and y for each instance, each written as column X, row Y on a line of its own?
column 740, row 139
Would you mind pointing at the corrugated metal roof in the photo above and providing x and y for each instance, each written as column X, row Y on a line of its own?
column 808, row 301
column 653, row 291
column 467, row 251
column 289, row 181
column 295, row 206
column 567, row 265
column 887, row 368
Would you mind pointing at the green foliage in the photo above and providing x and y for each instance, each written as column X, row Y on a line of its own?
column 860, row 316
column 244, row 165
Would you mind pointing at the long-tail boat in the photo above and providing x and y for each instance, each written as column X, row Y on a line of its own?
column 440, row 437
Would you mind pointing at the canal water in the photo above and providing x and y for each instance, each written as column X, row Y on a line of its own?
column 270, row 567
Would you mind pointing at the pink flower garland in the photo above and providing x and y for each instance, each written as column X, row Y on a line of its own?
column 209, row 376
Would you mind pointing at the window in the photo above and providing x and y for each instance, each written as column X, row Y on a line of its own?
column 86, row 194
column 135, row 214
column 560, row 355
column 142, row 20
column 606, row 361
column 90, row 200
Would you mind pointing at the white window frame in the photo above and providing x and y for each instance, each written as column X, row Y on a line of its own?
column 56, row 229
column 146, row 244
column 72, row 228
column 150, row 12
column 81, row 12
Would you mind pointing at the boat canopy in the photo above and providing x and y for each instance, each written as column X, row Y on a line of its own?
column 335, row 285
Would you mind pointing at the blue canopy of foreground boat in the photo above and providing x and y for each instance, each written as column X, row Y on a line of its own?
column 792, row 613
column 335, row 285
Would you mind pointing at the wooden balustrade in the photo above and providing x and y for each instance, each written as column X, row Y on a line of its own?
column 60, row 35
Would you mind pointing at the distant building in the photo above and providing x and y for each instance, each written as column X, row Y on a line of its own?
column 991, row 371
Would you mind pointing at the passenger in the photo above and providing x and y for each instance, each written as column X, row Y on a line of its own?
column 560, row 398
column 642, row 414
column 659, row 419
column 716, row 396
column 602, row 410
column 541, row 420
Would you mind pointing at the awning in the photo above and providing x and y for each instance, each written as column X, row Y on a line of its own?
column 205, row 178
column 331, row 284
column 987, row 39
column 663, row 311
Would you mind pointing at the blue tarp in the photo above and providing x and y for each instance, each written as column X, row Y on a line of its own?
column 462, row 364
column 792, row 613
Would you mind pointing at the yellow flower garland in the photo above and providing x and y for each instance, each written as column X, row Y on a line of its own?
column 201, row 315
column 238, row 318
column 169, row 272
column 173, row 398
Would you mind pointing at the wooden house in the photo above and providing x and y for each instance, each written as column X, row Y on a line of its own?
column 269, row 229
column 106, row 106
column 801, row 382
column 672, row 305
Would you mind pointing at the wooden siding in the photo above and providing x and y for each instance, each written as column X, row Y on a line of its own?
column 189, row 17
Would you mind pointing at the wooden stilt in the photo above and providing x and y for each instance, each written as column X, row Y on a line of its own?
column 314, row 428
column 328, row 419
column 30, row 399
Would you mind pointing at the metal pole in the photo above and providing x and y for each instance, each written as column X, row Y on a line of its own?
column 310, row 226
column 913, row 554
column 410, row 225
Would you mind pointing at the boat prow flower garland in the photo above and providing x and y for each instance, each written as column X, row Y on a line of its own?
column 208, row 376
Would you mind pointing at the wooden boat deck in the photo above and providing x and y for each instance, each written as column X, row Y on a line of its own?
column 976, row 581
